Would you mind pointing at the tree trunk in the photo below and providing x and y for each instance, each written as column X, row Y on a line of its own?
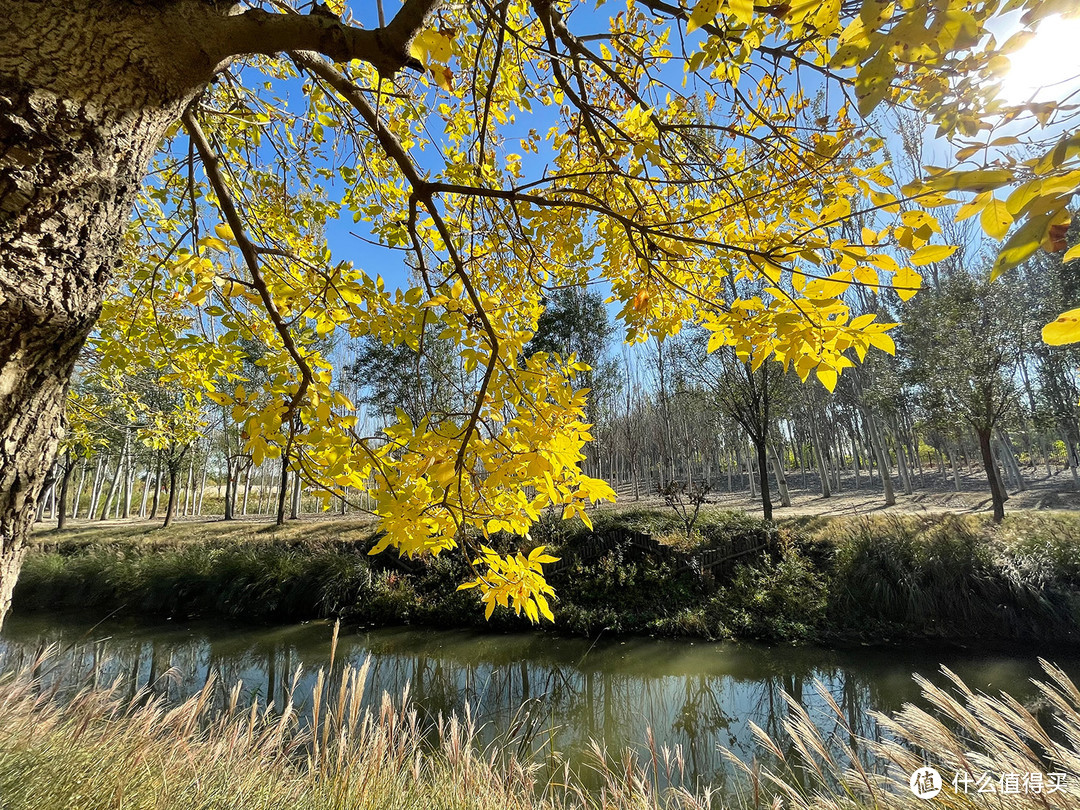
column 129, row 486
column 1008, row 456
column 100, row 471
column 69, row 468
column 839, row 457
column 901, row 456
column 146, row 491
column 297, row 491
column 781, row 479
column 763, row 478
column 819, row 454
column 283, row 488
column 170, row 509
column 247, row 488
column 88, row 89
column 50, row 482
column 202, row 483
column 996, row 494
column 188, row 499
column 112, row 488
column 157, row 488
column 855, row 457
column 750, row 476
column 129, row 471
column 230, row 486
column 881, row 455
column 79, row 490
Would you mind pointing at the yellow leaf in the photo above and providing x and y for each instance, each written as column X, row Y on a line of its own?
column 838, row 210
column 704, row 12
column 443, row 77
column 211, row 242
column 1021, row 245
column 883, row 342
column 545, row 610
column 976, row 180
column 862, row 321
column 974, row 207
column 742, row 10
column 873, row 81
column 1065, row 329
column 431, row 46
column 996, row 219
column 932, row 253
column 866, row 275
column 906, row 282
column 826, row 18
column 224, row 232
column 827, row 376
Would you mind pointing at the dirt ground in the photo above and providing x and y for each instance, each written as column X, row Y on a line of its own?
column 930, row 493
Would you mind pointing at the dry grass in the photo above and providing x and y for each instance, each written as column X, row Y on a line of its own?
column 194, row 531
column 965, row 733
column 96, row 749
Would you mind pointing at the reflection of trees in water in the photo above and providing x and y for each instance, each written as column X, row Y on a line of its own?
column 521, row 693
column 522, row 703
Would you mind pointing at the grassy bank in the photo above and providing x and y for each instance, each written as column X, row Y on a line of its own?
column 98, row 751
column 891, row 579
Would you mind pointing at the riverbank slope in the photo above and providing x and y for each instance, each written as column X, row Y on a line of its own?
column 837, row 580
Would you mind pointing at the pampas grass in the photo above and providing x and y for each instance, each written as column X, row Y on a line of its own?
column 96, row 748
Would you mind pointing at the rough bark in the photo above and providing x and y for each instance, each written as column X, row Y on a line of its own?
column 85, row 97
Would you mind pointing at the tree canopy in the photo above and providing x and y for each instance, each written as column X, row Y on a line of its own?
column 722, row 163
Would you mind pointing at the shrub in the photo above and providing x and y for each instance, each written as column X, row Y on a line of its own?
column 774, row 599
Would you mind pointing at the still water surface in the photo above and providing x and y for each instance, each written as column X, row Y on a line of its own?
column 534, row 691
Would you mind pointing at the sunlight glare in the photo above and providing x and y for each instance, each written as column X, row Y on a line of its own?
column 1047, row 67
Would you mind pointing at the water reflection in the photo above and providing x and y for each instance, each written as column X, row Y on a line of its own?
column 530, row 691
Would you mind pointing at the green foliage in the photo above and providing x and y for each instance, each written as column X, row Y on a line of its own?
column 958, row 340
column 622, row 594
column 781, row 599
column 946, row 578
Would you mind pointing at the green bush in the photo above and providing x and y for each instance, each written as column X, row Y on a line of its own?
column 781, row 599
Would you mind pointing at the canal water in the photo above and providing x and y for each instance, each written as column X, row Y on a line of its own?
column 532, row 692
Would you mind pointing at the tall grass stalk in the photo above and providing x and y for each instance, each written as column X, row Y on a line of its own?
column 97, row 748
column 964, row 736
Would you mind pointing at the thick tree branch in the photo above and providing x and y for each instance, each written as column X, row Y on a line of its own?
column 257, row 31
